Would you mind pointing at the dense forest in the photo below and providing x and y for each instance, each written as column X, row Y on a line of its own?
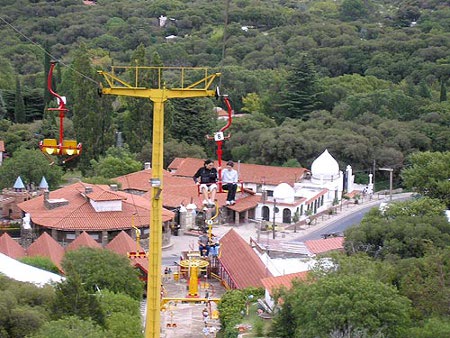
column 366, row 79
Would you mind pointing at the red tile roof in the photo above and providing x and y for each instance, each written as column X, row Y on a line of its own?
column 83, row 240
column 248, row 173
column 246, row 203
column 139, row 180
column 78, row 214
column 178, row 190
column 241, row 262
column 318, row 246
column 122, row 244
column 2, row 146
column 46, row 246
column 271, row 283
column 10, row 247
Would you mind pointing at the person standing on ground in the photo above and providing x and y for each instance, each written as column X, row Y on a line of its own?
column 229, row 182
column 206, row 177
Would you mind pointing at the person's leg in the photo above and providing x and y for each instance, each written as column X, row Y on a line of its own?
column 213, row 194
column 204, row 191
column 232, row 191
column 226, row 187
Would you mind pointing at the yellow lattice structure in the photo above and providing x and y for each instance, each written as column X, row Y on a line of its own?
column 165, row 83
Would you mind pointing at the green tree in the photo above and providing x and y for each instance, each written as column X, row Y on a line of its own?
column 19, row 109
column 47, row 94
column 103, row 269
column 117, row 161
column 174, row 148
column 73, row 298
column 124, row 318
column 23, row 307
column 230, row 307
column 40, row 262
column 137, row 126
column 342, row 306
column 403, row 233
column 428, row 174
column 426, row 282
column 31, row 166
column 91, row 115
column 443, row 91
column 351, row 10
column 300, row 96
column 70, row 327
column 194, row 120
column 432, row 327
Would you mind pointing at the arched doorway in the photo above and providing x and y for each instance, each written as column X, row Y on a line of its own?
column 265, row 213
column 287, row 218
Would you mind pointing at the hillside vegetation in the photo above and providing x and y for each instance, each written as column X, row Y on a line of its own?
column 365, row 79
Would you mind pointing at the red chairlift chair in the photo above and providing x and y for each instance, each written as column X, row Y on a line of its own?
column 68, row 148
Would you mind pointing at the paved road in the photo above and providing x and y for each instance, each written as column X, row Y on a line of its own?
column 346, row 221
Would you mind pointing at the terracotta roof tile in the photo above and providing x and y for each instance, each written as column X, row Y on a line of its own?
column 2, row 146
column 177, row 190
column 248, row 173
column 10, row 247
column 46, row 246
column 83, row 240
column 78, row 214
column 241, row 262
column 122, row 244
column 246, row 203
column 324, row 245
column 271, row 283
column 139, row 180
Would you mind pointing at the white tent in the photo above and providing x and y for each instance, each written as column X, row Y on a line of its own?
column 26, row 273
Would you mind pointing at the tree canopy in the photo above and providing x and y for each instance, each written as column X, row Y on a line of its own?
column 103, row 269
column 342, row 306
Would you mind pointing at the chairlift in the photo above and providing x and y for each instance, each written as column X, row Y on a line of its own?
column 67, row 148
column 219, row 138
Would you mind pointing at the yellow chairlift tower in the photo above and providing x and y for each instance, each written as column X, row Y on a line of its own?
column 188, row 82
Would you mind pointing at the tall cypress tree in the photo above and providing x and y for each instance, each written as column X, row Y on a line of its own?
column 443, row 93
column 47, row 95
column 91, row 114
column 300, row 95
column 137, row 122
column 19, row 109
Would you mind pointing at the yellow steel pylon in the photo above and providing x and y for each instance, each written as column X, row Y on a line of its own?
column 185, row 86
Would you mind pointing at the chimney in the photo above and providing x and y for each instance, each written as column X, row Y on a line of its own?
column 46, row 195
column 88, row 190
column 147, row 165
column 113, row 187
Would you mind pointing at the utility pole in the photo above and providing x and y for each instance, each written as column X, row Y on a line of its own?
column 390, row 180
column 159, row 93
column 275, row 210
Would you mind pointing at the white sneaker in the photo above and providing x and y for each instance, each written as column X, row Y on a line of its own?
column 233, row 202
column 228, row 202
column 210, row 202
column 205, row 202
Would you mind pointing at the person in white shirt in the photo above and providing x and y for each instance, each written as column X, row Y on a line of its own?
column 229, row 182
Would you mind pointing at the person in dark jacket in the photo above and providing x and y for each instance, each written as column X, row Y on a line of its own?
column 206, row 177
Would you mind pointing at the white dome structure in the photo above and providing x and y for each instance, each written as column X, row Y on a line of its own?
column 284, row 193
column 325, row 168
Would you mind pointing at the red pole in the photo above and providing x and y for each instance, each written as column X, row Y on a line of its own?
column 219, row 159
column 61, row 105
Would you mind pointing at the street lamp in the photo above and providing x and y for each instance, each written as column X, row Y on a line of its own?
column 390, row 180
column 275, row 210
